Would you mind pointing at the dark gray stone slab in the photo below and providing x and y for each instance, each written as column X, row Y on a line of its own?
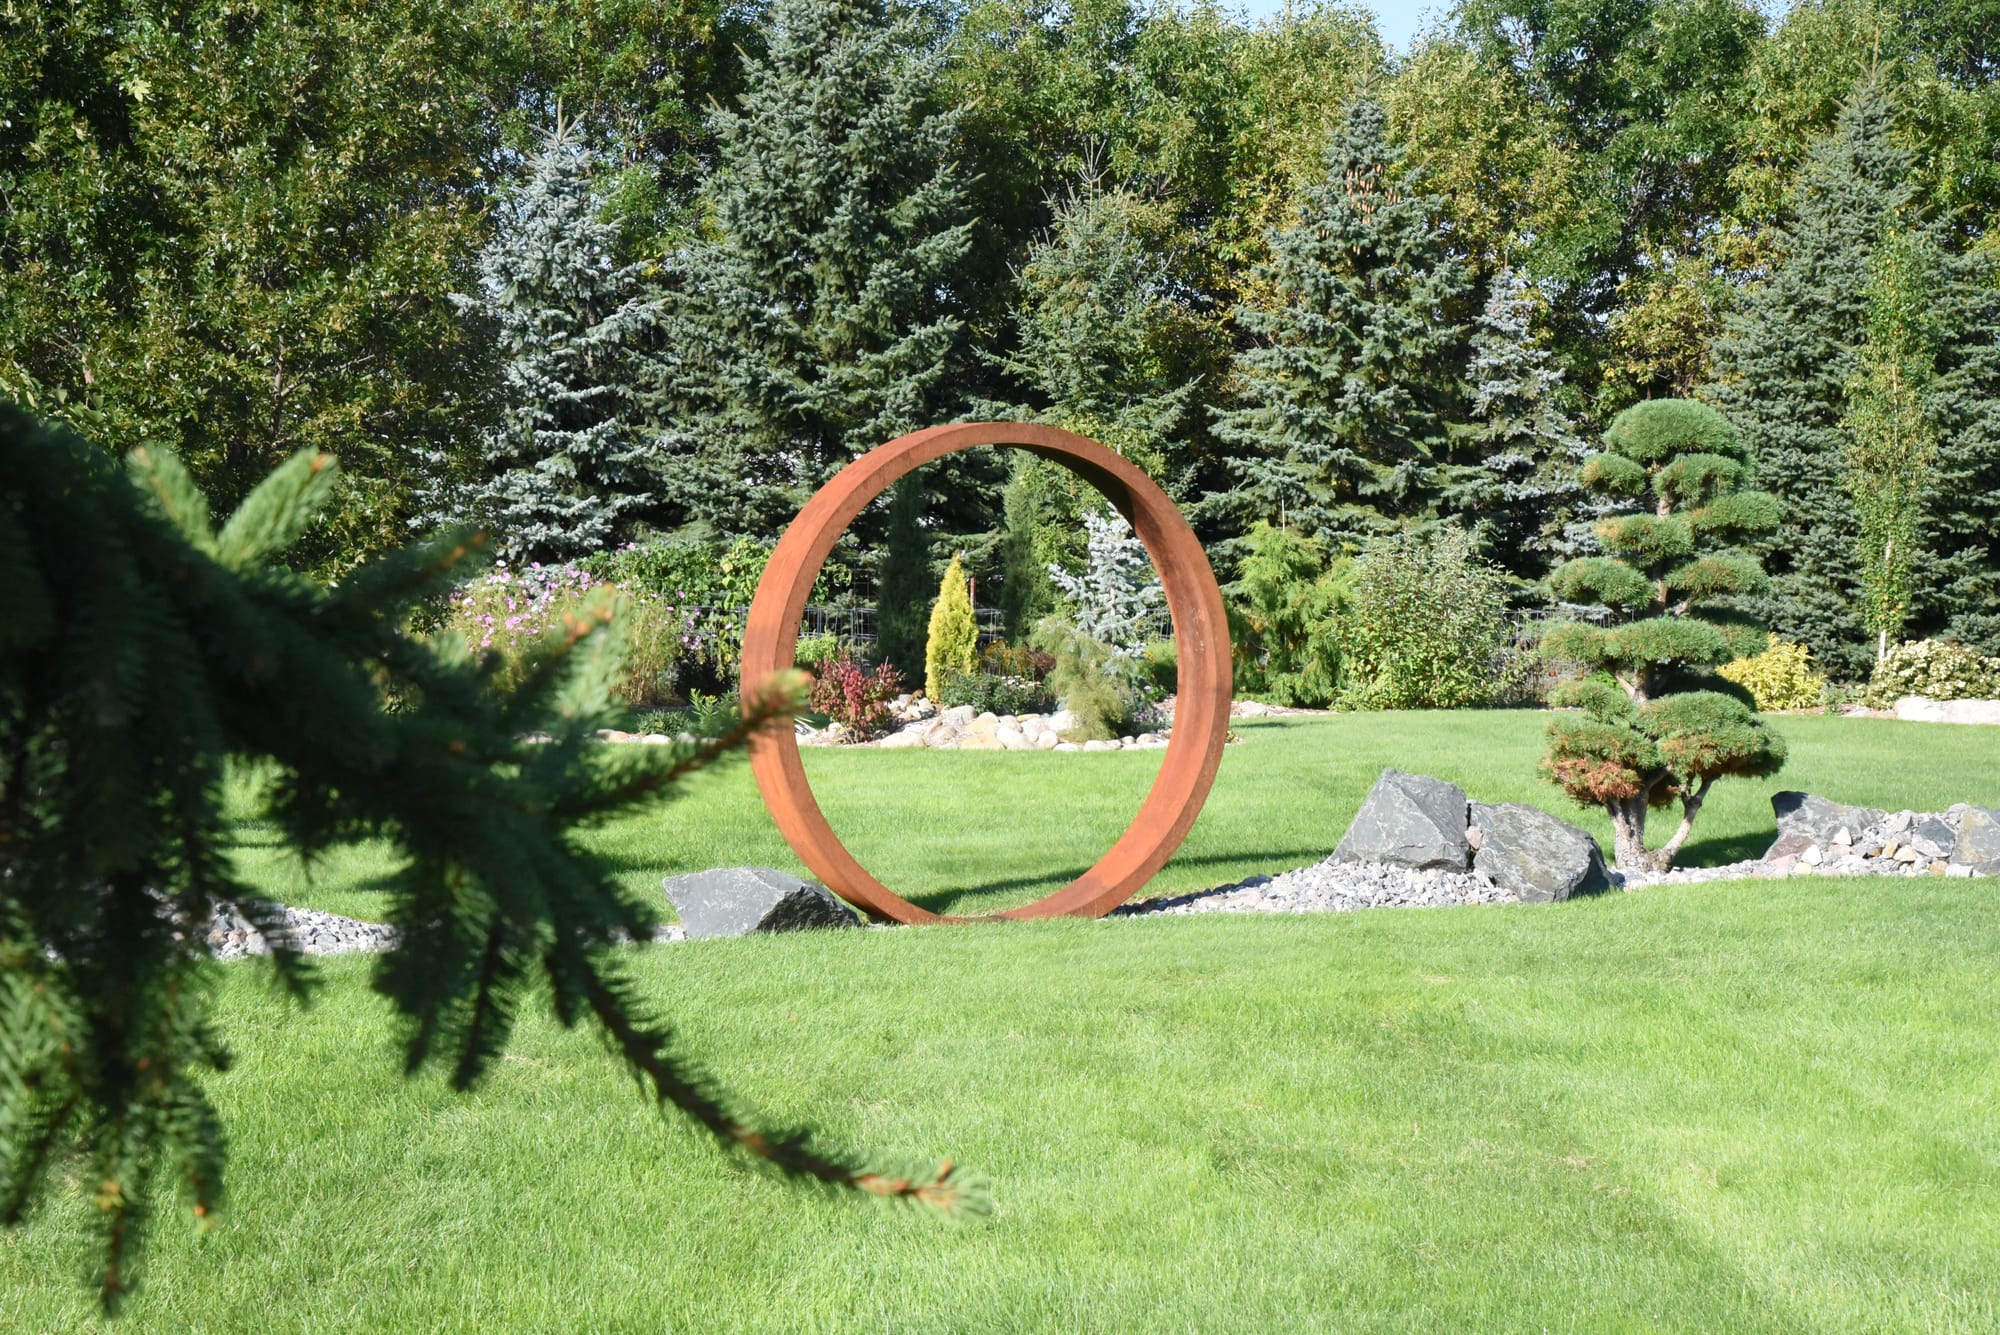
column 1978, row 844
column 1527, row 852
column 1409, row 820
column 735, row 901
column 1818, row 819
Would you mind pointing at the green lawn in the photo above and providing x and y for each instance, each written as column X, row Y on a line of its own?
column 1748, row 1107
column 975, row 831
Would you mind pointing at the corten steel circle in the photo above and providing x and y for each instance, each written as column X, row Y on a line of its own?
column 1201, row 642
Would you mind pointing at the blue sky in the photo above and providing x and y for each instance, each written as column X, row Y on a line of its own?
column 1398, row 20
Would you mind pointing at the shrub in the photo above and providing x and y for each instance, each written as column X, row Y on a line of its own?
column 1016, row 660
column 1779, row 678
column 816, row 651
column 999, row 693
column 1095, row 683
column 1936, row 670
column 953, row 645
column 1284, row 619
column 511, row 613
column 1160, row 669
column 1424, row 619
column 853, row 697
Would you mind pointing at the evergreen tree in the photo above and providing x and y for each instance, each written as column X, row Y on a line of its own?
column 1784, row 367
column 820, row 323
column 141, row 647
column 951, row 649
column 1343, row 396
column 903, row 586
column 1025, row 593
column 561, row 473
column 1892, row 444
column 1956, row 589
column 1116, row 599
column 1524, row 488
column 1664, row 727
column 1096, row 325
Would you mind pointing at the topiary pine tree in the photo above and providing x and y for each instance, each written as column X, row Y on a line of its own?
column 820, row 323
column 1662, row 728
column 141, row 648
column 1784, row 366
column 562, row 473
column 1345, row 390
column 1524, row 491
column 953, row 645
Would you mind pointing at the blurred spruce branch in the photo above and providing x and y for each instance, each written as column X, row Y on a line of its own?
column 141, row 648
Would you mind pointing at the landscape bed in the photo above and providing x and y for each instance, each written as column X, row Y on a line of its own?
column 1748, row 1106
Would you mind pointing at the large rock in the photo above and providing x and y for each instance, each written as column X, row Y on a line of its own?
column 1814, row 820
column 1408, row 820
column 1527, row 852
column 1979, row 841
column 735, row 901
column 1917, row 709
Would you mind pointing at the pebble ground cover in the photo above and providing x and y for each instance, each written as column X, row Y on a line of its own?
column 1748, row 1107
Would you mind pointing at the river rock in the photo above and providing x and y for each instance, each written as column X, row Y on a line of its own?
column 735, row 901
column 1918, row 709
column 1535, row 856
column 1409, row 820
column 1815, row 818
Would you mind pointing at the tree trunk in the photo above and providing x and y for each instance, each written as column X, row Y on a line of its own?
column 1628, row 821
column 1690, row 808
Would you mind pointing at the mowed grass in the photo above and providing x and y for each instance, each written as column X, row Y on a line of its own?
column 973, row 832
column 1741, row 1107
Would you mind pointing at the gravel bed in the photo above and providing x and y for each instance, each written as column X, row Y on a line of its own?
column 314, row 933
column 1333, row 887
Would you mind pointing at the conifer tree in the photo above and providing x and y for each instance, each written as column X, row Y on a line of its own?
column 1524, row 491
column 141, row 647
column 820, row 323
column 1095, row 323
column 903, row 587
column 1674, row 571
column 1341, row 425
column 1026, row 541
column 952, row 647
column 1116, row 598
column 562, row 473
column 1784, row 367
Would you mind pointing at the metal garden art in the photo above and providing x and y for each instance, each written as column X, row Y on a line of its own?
column 1201, row 642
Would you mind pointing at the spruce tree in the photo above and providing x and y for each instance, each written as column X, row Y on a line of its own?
column 1675, row 569
column 561, row 474
column 1344, row 392
column 820, row 322
column 1956, row 589
column 1785, row 364
column 141, row 648
column 1095, row 323
column 1523, row 489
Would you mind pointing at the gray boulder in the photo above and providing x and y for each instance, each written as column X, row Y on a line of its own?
column 1527, row 852
column 1815, row 821
column 1408, row 820
column 735, row 901
column 1978, row 844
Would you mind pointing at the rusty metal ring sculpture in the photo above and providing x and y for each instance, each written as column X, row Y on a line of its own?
column 1201, row 642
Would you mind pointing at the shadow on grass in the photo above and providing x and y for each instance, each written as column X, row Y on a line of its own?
column 936, row 901
column 1716, row 852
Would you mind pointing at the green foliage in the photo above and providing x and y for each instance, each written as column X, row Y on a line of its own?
column 1284, row 618
column 708, row 585
column 1032, row 539
column 1659, row 432
column 513, row 614
column 903, row 588
column 1936, row 670
column 994, row 692
column 953, row 643
column 136, row 662
column 1781, row 677
column 1344, row 389
column 1892, row 450
column 1091, row 681
column 818, row 319
column 1424, row 620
